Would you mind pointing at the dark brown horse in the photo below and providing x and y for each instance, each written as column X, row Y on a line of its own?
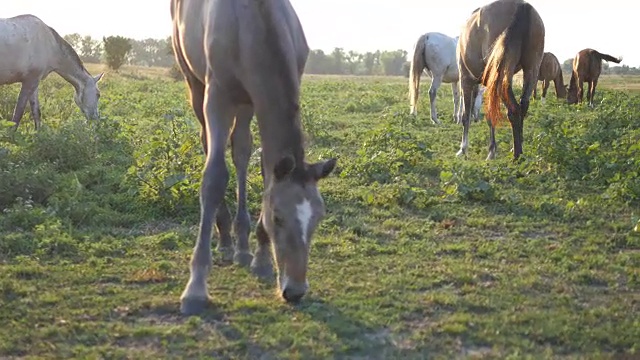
column 509, row 34
column 587, row 66
column 550, row 70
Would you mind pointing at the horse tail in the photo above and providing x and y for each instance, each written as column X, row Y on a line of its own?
column 504, row 57
column 607, row 57
column 417, row 66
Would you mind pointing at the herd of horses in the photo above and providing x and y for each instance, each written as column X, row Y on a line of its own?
column 498, row 40
column 242, row 58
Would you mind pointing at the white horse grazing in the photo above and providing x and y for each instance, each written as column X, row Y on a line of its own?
column 241, row 57
column 31, row 50
column 436, row 52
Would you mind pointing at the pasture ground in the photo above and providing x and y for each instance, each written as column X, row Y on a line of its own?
column 421, row 255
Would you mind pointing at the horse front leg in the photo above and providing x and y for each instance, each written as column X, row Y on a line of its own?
column 26, row 92
column 466, row 87
column 262, row 265
column 223, row 217
column 241, row 147
column 433, row 92
column 219, row 113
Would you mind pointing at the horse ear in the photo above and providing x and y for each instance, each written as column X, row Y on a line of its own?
column 322, row 169
column 284, row 167
column 99, row 77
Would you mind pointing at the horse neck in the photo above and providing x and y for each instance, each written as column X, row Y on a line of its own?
column 559, row 82
column 281, row 133
column 70, row 68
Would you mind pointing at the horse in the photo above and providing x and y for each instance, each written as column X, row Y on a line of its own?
column 587, row 66
column 435, row 52
column 550, row 70
column 509, row 34
column 32, row 50
column 240, row 58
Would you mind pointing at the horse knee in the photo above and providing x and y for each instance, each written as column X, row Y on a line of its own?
column 433, row 92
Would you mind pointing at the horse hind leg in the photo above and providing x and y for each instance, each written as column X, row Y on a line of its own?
column 545, row 88
column 219, row 113
column 455, row 90
column 517, row 118
column 433, row 92
column 466, row 87
column 34, row 104
column 592, row 91
column 241, row 147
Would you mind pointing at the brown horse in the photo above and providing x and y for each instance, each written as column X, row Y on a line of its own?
column 31, row 50
column 550, row 70
column 239, row 57
column 587, row 66
column 509, row 34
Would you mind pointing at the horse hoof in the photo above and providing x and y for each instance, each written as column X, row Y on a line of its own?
column 460, row 153
column 435, row 121
column 262, row 271
column 491, row 156
column 226, row 253
column 193, row 306
column 243, row 258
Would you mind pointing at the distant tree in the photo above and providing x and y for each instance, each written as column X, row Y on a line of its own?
column 90, row 50
column 567, row 66
column 74, row 40
column 406, row 69
column 116, row 49
column 392, row 61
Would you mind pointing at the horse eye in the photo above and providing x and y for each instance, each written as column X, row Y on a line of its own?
column 278, row 221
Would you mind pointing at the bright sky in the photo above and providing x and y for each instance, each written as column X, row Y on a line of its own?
column 362, row 25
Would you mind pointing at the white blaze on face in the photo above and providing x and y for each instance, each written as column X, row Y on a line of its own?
column 304, row 217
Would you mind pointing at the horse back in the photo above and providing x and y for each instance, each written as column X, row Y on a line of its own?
column 31, row 45
column 588, row 65
column 240, row 41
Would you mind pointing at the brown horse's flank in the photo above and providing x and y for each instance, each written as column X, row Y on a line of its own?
column 502, row 63
column 498, row 40
column 587, row 66
column 551, row 70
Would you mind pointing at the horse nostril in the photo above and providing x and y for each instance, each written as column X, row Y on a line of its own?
column 291, row 296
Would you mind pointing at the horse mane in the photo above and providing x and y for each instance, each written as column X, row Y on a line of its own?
column 67, row 49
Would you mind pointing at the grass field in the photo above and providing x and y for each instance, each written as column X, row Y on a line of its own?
column 421, row 255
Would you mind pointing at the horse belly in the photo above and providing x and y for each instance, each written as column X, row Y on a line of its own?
column 15, row 66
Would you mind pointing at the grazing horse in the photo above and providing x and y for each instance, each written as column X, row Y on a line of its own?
column 436, row 52
column 241, row 57
column 587, row 66
column 550, row 70
column 509, row 34
column 31, row 50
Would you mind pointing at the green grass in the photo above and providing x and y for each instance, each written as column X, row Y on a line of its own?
column 421, row 255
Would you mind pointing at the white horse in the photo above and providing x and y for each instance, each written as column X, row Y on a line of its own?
column 31, row 50
column 241, row 57
column 436, row 52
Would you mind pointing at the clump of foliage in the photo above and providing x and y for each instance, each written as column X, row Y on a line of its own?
column 116, row 49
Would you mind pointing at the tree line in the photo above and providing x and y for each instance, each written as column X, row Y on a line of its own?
column 116, row 51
